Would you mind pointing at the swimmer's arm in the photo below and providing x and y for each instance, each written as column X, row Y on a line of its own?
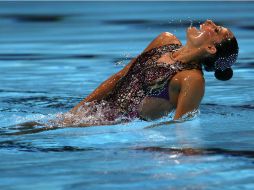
column 106, row 87
column 190, row 96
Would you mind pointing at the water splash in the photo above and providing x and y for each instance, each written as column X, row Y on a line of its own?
column 18, row 119
column 191, row 22
column 124, row 60
column 90, row 114
column 190, row 115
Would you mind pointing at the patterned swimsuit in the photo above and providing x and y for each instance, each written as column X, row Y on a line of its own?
column 146, row 77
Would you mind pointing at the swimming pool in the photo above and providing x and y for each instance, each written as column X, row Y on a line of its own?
column 54, row 54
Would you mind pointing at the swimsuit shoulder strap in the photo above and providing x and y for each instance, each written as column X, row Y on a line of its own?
column 155, row 53
column 163, row 49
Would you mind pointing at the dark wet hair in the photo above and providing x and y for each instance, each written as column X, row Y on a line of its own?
column 224, row 58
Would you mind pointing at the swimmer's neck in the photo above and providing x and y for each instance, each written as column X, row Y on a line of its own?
column 188, row 54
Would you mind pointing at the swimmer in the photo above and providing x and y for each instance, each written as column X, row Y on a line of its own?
column 167, row 76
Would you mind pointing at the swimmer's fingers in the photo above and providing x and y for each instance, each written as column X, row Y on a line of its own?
column 29, row 127
column 29, row 124
column 31, row 131
column 25, row 125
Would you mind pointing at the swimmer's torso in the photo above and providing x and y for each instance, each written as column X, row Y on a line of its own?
column 155, row 107
column 151, row 74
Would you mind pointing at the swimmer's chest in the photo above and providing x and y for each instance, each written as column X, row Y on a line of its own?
column 174, row 87
column 174, row 83
column 173, row 92
column 155, row 107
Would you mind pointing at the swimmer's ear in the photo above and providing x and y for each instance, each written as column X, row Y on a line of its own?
column 211, row 49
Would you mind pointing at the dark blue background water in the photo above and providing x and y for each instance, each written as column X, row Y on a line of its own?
column 52, row 54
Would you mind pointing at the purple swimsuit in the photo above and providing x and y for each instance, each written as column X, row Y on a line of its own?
column 146, row 77
column 164, row 94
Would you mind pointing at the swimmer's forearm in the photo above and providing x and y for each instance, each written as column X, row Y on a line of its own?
column 105, row 88
column 99, row 93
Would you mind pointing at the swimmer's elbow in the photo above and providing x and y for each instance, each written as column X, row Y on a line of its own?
column 168, row 38
column 166, row 34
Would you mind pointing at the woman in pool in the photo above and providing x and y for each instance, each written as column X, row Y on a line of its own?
column 165, row 76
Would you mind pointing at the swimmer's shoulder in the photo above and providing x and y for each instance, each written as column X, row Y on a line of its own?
column 170, row 38
column 186, row 77
column 164, row 38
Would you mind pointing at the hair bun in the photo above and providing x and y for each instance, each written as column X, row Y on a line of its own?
column 223, row 75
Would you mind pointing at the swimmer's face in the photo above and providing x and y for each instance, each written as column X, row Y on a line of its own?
column 208, row 35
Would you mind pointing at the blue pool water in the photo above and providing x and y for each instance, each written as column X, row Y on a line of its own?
column 54, row 54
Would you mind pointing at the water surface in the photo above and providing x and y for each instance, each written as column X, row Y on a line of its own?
column 53, row 54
